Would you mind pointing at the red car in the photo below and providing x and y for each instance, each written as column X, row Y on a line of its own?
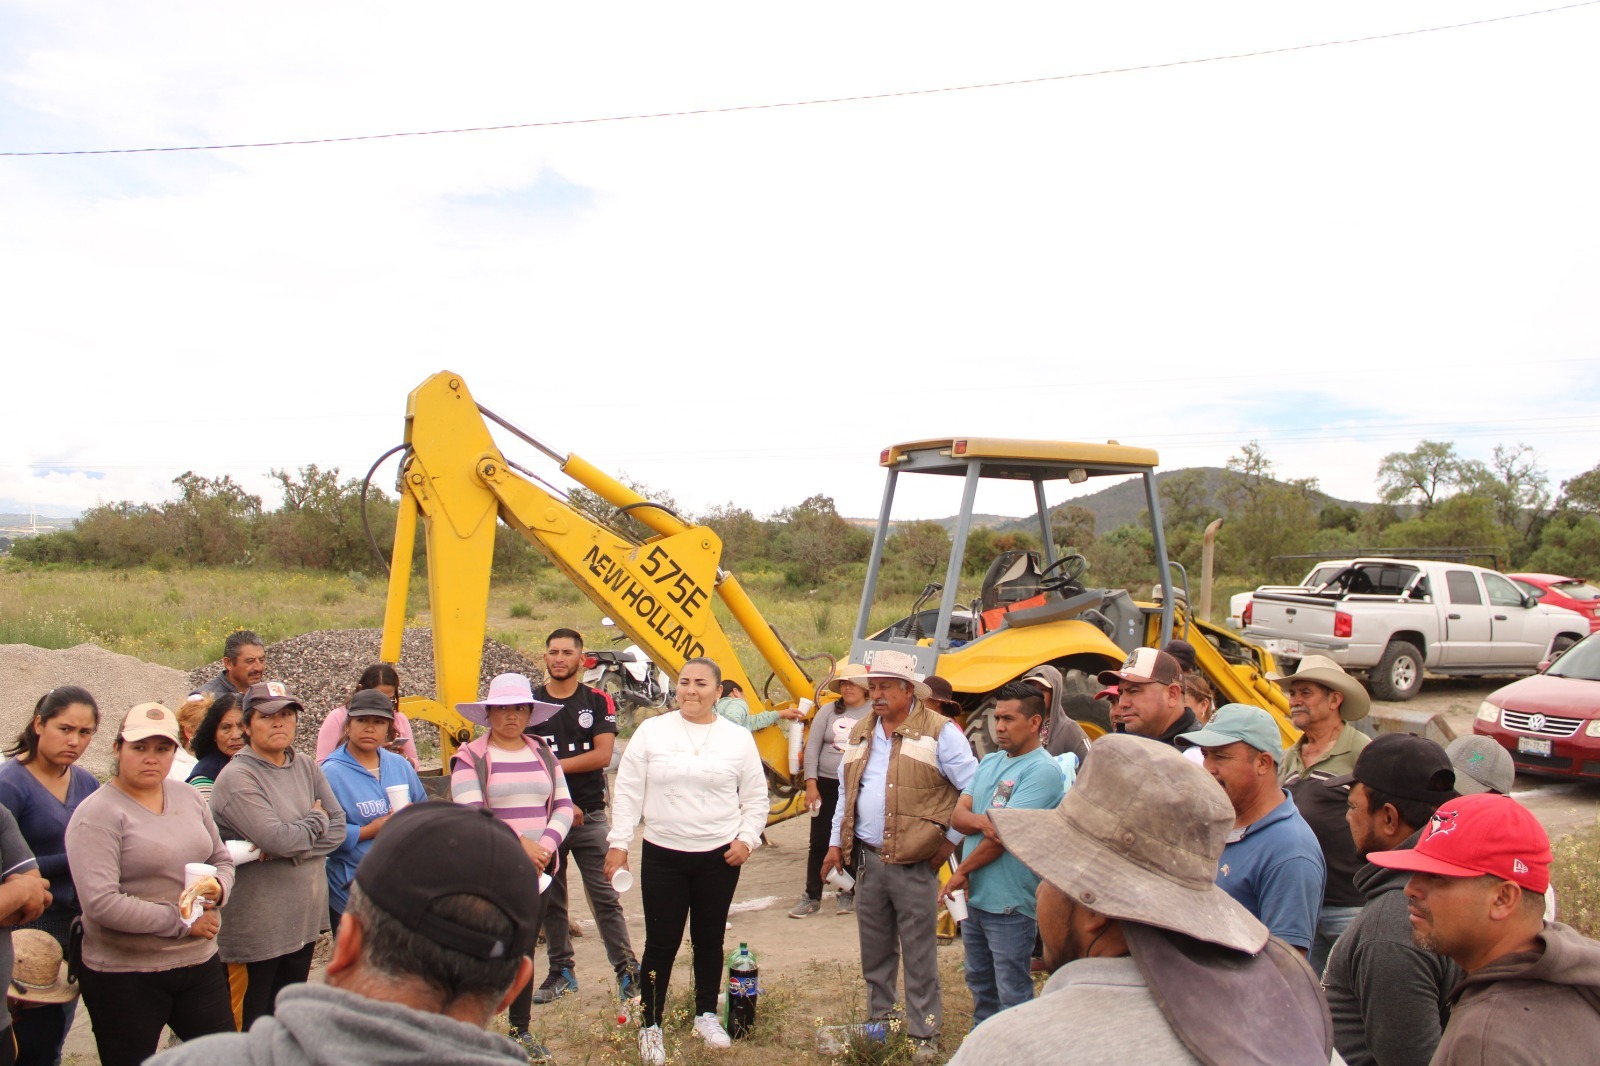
column 1569, row 592
column 1550, row 723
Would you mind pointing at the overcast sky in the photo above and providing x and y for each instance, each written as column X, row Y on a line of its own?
column 1337, row 251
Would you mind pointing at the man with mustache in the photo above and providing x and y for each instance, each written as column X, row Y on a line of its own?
column 1531, row 994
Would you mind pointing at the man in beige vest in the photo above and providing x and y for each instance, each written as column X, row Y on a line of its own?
column 903, row 770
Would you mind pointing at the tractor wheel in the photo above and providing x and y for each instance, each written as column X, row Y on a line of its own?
column 1398, row 675
column 980, row 728
column 1079, row 702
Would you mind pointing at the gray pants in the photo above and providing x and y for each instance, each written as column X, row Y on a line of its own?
column 585, row 848
column 897, row 918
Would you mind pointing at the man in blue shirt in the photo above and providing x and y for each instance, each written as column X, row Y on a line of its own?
column 1001, row 912
column 1272, row 863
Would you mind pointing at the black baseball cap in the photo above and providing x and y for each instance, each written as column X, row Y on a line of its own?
column 1405, row 766
column 431, row 850
column 370, row 703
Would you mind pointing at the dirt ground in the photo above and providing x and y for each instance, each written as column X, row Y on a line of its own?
column 809, row 968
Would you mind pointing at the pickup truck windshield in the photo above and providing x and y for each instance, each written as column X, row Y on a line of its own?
column 1582, row 661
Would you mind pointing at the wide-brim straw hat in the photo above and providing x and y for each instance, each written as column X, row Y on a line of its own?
column 1329, row 674
column 508, row 690
column 1137, row 838
column 898, row 665
column 39, row 974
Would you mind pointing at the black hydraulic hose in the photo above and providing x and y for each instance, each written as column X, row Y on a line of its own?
column 366, row 483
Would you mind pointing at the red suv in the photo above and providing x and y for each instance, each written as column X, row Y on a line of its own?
column 1569, row 592
column 1550, row 723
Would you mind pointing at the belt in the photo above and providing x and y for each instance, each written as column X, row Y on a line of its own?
column 868, row 847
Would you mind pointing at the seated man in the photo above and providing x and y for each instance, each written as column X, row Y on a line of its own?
column 1273, row 863
column 434, row 943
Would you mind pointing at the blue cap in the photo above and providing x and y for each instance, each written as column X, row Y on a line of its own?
column 1237, row 722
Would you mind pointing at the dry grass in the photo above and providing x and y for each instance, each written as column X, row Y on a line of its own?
column 583, row 1030
column 180, row 617
column 1575, row 876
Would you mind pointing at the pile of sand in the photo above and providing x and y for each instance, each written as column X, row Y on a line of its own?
column 117, row 682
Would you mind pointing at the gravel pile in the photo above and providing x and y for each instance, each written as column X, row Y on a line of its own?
column 322, row 667
column 117, row 682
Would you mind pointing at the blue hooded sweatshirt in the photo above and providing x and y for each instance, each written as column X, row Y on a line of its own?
column 364, row 800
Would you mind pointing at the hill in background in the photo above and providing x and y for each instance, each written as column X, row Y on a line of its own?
column 1117, row 504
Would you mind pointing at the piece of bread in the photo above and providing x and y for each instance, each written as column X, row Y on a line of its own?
column 208, row 887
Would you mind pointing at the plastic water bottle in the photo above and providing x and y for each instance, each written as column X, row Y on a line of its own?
column 743, row 988
column 836, row 1039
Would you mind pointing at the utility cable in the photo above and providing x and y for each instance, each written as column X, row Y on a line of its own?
column 859, row 98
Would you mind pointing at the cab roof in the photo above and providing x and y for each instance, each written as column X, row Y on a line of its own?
column 1021, row 460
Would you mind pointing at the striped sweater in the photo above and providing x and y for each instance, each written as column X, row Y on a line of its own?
column 520, row 790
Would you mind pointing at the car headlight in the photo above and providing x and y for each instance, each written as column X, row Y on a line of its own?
column 1488, row 712
column 1593, row 728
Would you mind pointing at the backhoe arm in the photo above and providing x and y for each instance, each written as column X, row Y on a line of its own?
column 658, row 592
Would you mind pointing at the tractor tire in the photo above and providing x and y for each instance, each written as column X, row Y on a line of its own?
column 980, row 728
column 1079, row 702
column 1398, row 675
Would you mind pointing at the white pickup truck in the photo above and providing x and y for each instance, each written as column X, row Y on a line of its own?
column 1393, row 618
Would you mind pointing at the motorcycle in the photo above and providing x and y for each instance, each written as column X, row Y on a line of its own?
column 633, row 682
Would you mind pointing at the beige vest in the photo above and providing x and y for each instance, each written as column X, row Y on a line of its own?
column 918, row 800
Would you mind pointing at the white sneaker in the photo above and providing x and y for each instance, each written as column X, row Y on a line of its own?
column 707, row 1028
column 652, row 1051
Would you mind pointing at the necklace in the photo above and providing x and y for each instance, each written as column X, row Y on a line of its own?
column 695, row 749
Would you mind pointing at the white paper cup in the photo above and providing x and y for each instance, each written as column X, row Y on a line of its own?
column 193, row 872
column 841, row 880
column 622, row 880
column 956, row 904
column 545, row 880
column 242, row 851
column 399, row 797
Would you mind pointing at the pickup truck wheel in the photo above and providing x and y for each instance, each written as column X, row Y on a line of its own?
column 1561, row 644
column 1398, row 675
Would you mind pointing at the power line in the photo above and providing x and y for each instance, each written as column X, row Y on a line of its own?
column 859, row 98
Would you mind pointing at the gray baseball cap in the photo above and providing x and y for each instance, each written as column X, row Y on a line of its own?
column 1138, row 837
column 1481, row 765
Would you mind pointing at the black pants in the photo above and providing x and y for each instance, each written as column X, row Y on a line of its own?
column 821, row 828
column 520, row 1012
column 255, row 985
column 129, row 1010
column 679, row 886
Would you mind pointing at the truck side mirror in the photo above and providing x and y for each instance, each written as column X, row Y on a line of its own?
column 1529, row 600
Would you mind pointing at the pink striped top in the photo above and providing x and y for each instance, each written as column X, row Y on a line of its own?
column 520, row 790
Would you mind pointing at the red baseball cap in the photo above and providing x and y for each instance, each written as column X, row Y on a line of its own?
column 1475, row 836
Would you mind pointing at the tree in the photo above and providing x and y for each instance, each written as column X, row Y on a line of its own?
column 924, row 546
column 1582, row 493
column 1280, row 521
column 1185, row 499
column 814, row 540
column 745, row 538
column 1423, row 476
column 1072, row 527
column 1516, row 483
column 1248, row 478
column 1463, row 521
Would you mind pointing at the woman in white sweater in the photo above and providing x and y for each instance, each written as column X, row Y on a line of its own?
column 695, row 780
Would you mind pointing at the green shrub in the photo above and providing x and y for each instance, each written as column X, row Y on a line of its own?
column 521, row 610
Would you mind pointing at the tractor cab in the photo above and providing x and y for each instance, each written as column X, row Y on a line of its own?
column 1034, row 607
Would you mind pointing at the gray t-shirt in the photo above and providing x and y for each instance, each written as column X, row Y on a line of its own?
column 15, row 858
column 822, row 756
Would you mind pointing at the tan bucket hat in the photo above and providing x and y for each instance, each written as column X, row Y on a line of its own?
column 1137, row 838
column 899, row 665
column 1329, row 674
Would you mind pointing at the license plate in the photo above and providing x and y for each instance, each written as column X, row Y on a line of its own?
column 1530, row 746
column 1284, row 647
